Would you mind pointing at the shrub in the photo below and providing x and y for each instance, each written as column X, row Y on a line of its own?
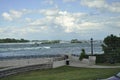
column 82, row 55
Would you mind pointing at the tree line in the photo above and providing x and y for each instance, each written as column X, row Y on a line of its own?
column 9, row 40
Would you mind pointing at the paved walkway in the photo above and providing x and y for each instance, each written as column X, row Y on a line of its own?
column 79, row 64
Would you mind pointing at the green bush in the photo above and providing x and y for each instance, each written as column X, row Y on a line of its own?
column 102, row 58
column 82, row 55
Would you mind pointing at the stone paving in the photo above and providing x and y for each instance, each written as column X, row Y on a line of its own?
column 80, row 64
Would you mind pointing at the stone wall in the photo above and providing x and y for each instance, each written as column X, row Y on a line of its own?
column 22, row 65
column 14, row 70
column 59, row 63
column 90, row 61
column 24, row 62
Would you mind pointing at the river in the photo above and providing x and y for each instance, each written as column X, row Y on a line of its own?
column 29, row 49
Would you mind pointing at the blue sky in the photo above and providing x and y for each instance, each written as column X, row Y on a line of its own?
column 59, row 19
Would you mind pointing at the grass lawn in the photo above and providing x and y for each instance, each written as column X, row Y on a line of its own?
column 2, row 67
column 64, row 73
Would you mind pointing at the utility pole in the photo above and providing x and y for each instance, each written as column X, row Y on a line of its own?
column 92, row 46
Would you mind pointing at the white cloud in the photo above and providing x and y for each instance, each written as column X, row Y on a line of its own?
column 89, row 25
column 49, row 12
column 69, row 0
column 28, row 19
column 61, row 19
column 115, row 7
column 7, row 16
column 14, row 14
column 14, row 31
column 93, row 3
column 69, row 22
column 52, row 21
column 36, row 22
column 65, row 20
column 72, row 22
column 102, row 4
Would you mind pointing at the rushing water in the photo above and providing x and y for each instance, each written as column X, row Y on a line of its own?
column 28, row 49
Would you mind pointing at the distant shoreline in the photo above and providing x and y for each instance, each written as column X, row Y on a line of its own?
column 9, row 40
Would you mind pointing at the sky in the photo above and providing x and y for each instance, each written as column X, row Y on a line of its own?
column 59, row 19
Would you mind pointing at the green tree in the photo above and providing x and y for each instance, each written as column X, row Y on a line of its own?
column 8, row 40
column 82, row 55
column 111, row 45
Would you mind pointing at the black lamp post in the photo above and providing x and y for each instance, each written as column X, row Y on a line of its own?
column 91, row 46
